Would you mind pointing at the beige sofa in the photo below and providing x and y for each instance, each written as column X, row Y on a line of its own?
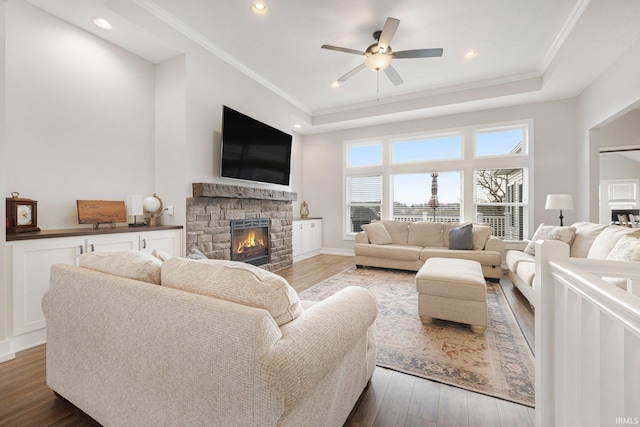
column 130, row 352
column 585, row 239
column 412, row 243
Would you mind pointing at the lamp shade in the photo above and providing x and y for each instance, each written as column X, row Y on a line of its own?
column 559, row 201
column 134, row 205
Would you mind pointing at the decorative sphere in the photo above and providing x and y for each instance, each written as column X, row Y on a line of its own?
column 151, row 204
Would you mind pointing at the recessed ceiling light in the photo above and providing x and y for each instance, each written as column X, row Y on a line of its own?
column 259, row 7
column 471, row 54
column 102, row 23
column 335, row 84
column 297, row 126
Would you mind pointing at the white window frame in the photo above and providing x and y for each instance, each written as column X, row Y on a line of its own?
column 466, row 165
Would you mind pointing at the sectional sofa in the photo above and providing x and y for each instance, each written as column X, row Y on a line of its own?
column 585, row 239
column 135, row 341
column 407, row 245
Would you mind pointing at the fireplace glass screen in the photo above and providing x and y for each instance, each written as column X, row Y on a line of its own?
column 250, row 241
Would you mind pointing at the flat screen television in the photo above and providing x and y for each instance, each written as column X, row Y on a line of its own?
column 254, row 151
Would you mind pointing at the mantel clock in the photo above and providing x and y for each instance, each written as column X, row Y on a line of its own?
column 22, row 214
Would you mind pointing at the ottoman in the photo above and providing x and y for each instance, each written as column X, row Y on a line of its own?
column 452, row 289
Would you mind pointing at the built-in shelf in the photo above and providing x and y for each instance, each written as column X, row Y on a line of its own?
column 74, row 232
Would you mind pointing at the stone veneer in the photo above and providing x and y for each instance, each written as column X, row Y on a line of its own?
column 213, row 206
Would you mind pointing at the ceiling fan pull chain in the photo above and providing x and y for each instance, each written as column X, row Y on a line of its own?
column 378, row 86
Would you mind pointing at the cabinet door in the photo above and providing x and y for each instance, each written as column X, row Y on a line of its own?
column 306, row 237
column 113, row 242
column 316, row 235
column 167, row 241
column 30, row 263
column 296, row 237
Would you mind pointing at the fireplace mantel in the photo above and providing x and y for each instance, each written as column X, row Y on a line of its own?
column 205, row 189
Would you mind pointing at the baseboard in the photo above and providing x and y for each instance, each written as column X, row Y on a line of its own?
column 337, row 251
column 28, row 340
column 5, row 351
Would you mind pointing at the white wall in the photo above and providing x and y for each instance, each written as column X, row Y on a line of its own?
column 616, row 166
column 5, row 345
column 553, row 136
column 611, row 95
column 79, row 116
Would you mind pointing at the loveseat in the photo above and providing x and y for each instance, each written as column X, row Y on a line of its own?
column 135, row 341
column 407, row 245
column 585, row 239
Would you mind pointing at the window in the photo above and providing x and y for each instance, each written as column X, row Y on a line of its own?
column 364, row 155
column 481, row 175
column 428, row 149
column 414, row 196
column 500, row 142
column 500, row 201
column 364, row 201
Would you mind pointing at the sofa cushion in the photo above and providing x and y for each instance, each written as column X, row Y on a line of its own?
column 461, row 237
column 516, row 257
column 483, row 257
column 377, row 233
column 607, row 239
column 480, row 235
column 236, row 282
column 550, row 232
column 398, row 230
column 627, row 249
column 586, row 232
column 426, row 233
column 134, row 265
column 392, row 251
column 446, row 227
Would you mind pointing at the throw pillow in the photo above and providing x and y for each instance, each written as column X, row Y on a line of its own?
column 162, row 256
column 235, row 282
column 377, row 233
column 196, row 254
column 461, row 237
column 130, row 264
column 607, row 239
column 627, row 249
column 550, row 232
column 480, row 235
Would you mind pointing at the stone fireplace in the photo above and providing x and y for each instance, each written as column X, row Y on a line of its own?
column 213, row 208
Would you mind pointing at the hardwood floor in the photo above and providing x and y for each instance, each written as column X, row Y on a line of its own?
column 392, row 399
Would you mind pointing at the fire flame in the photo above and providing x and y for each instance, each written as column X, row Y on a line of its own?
column 249, row 242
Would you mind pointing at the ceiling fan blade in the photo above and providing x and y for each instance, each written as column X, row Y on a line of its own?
column 351, row 73
column 393, row 75
column 419, row 53
column 342, row 49
column 389, row 29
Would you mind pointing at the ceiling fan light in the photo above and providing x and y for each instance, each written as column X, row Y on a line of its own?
column 377, row 61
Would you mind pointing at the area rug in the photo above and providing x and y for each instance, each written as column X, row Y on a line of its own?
column 498, row 363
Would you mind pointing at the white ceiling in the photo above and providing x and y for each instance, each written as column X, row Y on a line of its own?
column 528, row 50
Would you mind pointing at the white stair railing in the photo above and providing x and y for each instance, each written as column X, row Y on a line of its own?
column 587, row 340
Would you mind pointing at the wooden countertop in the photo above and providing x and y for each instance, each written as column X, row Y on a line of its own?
column 74, row 232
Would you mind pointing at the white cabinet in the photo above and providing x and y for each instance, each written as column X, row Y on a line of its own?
column 167, row 241
column 29, row 262
column 307, row 238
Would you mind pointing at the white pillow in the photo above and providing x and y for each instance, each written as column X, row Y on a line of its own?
column 607, row 239
column 377, row 233
column 480, row 234
column 627, row 249
column 550, row 232
column 134, row 265
column 236, row 282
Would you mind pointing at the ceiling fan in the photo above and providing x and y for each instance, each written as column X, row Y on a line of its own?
column 378, row 56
